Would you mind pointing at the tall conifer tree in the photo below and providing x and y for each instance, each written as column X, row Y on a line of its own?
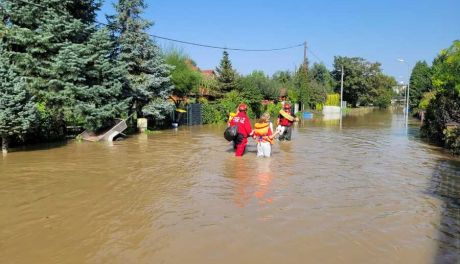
column 17, row 109
column 52, row 43
column 226, row 75
column 148, row 77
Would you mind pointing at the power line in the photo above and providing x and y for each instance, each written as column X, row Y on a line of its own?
column 224, row 48
column 188, row 42
column 312, row 53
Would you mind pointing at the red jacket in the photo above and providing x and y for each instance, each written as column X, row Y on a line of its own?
column 244, row 124
column 284, row 122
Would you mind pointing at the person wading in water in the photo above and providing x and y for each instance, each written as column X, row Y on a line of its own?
column 285, row 121
column 241, row 120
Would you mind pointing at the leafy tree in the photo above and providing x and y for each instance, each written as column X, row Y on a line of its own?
column 420, row 83
column 17, row 109
column 318, row 92
column 445, row 107
column 321, row 75
column 226, row 75
column 283, row 77
column 358, row 79
column 185, row 76
column 381, row 91
column 148, row 84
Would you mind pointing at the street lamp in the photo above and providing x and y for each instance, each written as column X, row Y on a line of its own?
column 408, row 88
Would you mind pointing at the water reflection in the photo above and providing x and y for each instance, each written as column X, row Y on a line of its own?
column 445, row 184
column 252, row 180
column 356, row 195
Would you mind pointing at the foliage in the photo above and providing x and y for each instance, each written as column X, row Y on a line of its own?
column 98, row 101
column 318, row 92
column 321, row 75
column 148, row 76
column 47, row 47
column 426, row 99
column 446, row 68
column 364, row 83
column 274, row 109
column 251, row 86
column 66, row 61
column 226, row 75
column 383, row 98
column 212, row 114
column 300, row 88
column 420, row 83
column 356, row 78
column 230, row 102
column 17, row 108
column 333, row 99
column 210, row 84
column 283, row 78
column 185, row 76
column 445, row 107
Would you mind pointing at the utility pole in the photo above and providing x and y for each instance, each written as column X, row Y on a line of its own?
column 341, row 90
column 305, row 69
column 305, row 55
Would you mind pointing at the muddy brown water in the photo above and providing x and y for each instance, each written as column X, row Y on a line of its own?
column 369, row 192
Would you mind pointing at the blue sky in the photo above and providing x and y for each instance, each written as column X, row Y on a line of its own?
column 375, row 30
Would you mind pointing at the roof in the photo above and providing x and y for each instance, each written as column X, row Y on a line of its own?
column 208, row 72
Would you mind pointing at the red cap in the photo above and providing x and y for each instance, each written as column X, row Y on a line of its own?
column 242, row 107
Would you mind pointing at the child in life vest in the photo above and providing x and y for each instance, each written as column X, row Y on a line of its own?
column 263, row 134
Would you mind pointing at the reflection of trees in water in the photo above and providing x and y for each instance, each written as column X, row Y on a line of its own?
column 251, row 179
column 445, row 184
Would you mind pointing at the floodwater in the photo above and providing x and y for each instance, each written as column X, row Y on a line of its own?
column 368, row 192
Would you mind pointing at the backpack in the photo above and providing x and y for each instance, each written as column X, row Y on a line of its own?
column 230, row 133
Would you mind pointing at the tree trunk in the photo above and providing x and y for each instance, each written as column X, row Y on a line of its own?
column 5, row 140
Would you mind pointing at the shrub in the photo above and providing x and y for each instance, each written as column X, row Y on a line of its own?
column 333, row 99
column 212, row 114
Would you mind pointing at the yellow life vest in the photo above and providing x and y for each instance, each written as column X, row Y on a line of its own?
column 286, row 115
column 261, row 131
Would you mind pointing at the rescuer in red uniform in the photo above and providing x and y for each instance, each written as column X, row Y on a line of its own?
column 244, row 129
column 285, row 123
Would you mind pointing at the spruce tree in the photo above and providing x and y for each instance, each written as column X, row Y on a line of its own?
column 65, row 59
column 148, row 85
column 98, row 100
column 17, row 109
column 226, row 75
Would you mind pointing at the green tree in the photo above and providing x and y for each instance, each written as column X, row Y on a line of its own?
column 445, row 107
column 283, row 77
column 359, row 76
column 185, row 76
column 17, row 109
column 226, row 75
column 44, row 38
column 301, row 88
column 148, row 84
column 420, row 83
column 65, row 59
column 98, row 99
column 381, row 90
column 321, row 75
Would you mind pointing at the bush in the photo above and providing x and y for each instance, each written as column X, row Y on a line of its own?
column 333, row 99
column 444, row 108
column 274, row 109
column 212, row 114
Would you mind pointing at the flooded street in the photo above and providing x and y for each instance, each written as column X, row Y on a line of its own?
column 369, row 192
